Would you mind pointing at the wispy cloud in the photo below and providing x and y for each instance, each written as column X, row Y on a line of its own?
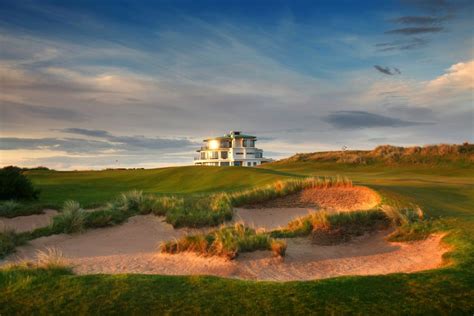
column 387, row 70
column 363, row 119
column 415, row 30
column 420, row 20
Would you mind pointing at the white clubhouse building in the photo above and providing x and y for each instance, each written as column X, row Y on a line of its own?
column 233, row 149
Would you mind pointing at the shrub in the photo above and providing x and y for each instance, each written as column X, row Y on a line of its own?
column 71, row 219
column 15, row 185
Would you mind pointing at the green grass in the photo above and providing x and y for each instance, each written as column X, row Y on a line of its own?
column 93, row 188
column 445, row 193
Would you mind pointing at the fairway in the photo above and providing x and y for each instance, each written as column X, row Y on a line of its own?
column 445, row 192
column 92, row 188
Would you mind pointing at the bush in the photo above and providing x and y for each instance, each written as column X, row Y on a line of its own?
column 15, row 185
column 71, row 219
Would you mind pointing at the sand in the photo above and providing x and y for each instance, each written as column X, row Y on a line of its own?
column 26, row 223
column 338, row 199
column 270, row 218
column 132, row 248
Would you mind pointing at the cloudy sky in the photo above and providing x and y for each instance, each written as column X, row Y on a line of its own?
column 96, row 84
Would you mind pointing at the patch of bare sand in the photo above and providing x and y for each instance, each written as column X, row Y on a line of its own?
column 335, row 199
column 139, row 234
column 368, row 255
column 132, row 248
column 27, row 223
column 269, row 218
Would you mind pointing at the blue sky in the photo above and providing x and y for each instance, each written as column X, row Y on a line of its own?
column 95, row 84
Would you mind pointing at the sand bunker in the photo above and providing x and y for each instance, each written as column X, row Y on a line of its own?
column 132, row 248
column 269, row 218
column 27, row 223
column 336, row 199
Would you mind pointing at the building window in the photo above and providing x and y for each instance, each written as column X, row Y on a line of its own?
column 249, row 143
column 249, row 164
column 225, row 163
column 258, row 154
column 237, row 163
column 214, row 154
column 255, row 163
column 224, row 154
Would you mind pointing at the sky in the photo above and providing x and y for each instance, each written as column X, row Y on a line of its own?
column 105, row 84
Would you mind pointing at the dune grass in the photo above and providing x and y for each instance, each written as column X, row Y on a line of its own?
column 227, row 241
column 329, row 227
column 12, row 208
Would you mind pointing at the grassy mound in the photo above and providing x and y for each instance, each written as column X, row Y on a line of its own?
column 328, row 228
column 226, row 242
column 386, row 154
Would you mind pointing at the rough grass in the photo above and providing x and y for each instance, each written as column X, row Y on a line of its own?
column 226, row 242
column 9, row 240
column 71, row 219
column 12, row 208
column 330, row 228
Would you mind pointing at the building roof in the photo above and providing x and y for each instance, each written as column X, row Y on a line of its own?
column 230, row 136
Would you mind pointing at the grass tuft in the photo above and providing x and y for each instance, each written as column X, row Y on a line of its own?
column 72, row 219
column 51, row 258
column 227, row 241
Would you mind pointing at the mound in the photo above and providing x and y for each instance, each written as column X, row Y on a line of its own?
column 387, row 154
column 335, row 199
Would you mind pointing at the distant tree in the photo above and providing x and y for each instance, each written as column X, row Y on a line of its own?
column 15, row 185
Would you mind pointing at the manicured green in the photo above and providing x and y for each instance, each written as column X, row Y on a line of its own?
column 444, row 192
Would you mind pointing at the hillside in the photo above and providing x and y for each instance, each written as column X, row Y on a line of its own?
column 392, row 155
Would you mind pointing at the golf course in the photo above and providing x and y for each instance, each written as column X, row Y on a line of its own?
column 444, row 190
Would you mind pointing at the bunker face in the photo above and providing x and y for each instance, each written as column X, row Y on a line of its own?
column 269, row 218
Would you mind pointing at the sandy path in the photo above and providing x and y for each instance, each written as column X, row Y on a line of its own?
column 269, row 218
column 27, row 223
